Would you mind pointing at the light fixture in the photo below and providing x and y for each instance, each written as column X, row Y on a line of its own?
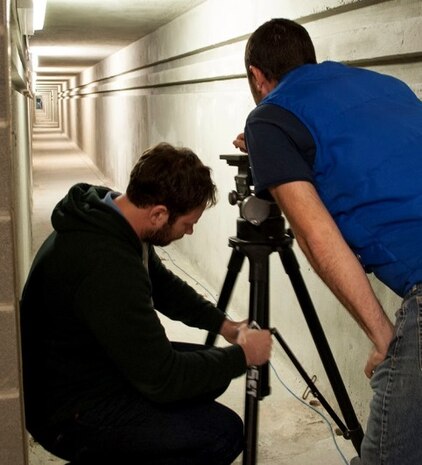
column 39, row 13
column 34, row 61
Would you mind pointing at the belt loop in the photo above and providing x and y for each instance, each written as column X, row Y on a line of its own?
column 413, row 290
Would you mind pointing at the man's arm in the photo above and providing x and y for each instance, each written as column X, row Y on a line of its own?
column 177, row 300
column 330, row 256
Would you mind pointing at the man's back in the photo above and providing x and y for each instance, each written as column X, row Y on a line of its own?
column 367, row 130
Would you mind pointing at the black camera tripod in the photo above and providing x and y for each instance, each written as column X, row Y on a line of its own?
column 260, row 232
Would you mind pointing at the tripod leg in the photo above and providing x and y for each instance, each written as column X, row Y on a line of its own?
column 233, row 269
column 292, row 268
column 308, row 380
column 251, row 415
column 257, row 378
column 259, row 304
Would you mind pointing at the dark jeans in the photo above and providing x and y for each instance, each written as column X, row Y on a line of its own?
column 394, row 431
column 134, row 431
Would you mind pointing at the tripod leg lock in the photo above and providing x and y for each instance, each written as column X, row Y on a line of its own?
column 254, row 325
column 352, row 433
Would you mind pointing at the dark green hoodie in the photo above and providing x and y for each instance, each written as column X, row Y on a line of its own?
column 89, row 328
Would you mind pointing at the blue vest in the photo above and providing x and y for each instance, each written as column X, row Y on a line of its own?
column 367, row 129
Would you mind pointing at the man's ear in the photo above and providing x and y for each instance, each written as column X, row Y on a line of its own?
column 158, row 215
column 262, row 84
column 258, row 76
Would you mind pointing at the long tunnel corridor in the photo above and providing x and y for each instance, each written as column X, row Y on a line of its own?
column 85, row 93
column 57, row 165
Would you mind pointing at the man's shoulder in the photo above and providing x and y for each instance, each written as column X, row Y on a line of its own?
column 267, row 117
column 273, row 114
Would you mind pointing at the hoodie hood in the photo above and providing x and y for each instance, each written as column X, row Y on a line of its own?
column 83, row 210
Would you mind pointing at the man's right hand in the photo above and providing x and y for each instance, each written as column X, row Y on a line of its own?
column 256, row 345
column 240, row 143
column 379, row 352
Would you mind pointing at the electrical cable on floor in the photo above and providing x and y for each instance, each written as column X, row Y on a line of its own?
column 314, row 409
column 187, row 274
column 290, row 391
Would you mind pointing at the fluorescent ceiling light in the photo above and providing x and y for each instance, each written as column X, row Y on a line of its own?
column 35, row 61
column 76, row 50
column 39, row 14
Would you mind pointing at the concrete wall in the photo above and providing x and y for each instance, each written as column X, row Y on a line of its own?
column 15, row 237
column 185, row 84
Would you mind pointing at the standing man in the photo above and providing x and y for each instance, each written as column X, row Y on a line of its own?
column 102, row 382
column 340, row 150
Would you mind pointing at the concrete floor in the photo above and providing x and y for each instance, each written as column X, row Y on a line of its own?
column 290, row 431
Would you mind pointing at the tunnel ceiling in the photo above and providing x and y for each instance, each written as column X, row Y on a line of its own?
column 79, row 33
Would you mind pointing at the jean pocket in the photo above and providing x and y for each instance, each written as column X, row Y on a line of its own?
column 419, row 322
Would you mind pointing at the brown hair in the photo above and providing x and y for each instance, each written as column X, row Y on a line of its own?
column 170, row 176
column 278, row 46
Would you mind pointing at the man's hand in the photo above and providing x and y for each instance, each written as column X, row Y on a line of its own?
column 378, row 355
column 375, row 358
column 256, row 344
column 230, row 330
column 240, row 143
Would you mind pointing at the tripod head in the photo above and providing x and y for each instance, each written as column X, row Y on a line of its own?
column 260, row 219
column 252, row 208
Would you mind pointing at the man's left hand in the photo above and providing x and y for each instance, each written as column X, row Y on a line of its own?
column 240, row 143
column 230, row 330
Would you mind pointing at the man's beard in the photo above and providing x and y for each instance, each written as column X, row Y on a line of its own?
column 161, row 237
